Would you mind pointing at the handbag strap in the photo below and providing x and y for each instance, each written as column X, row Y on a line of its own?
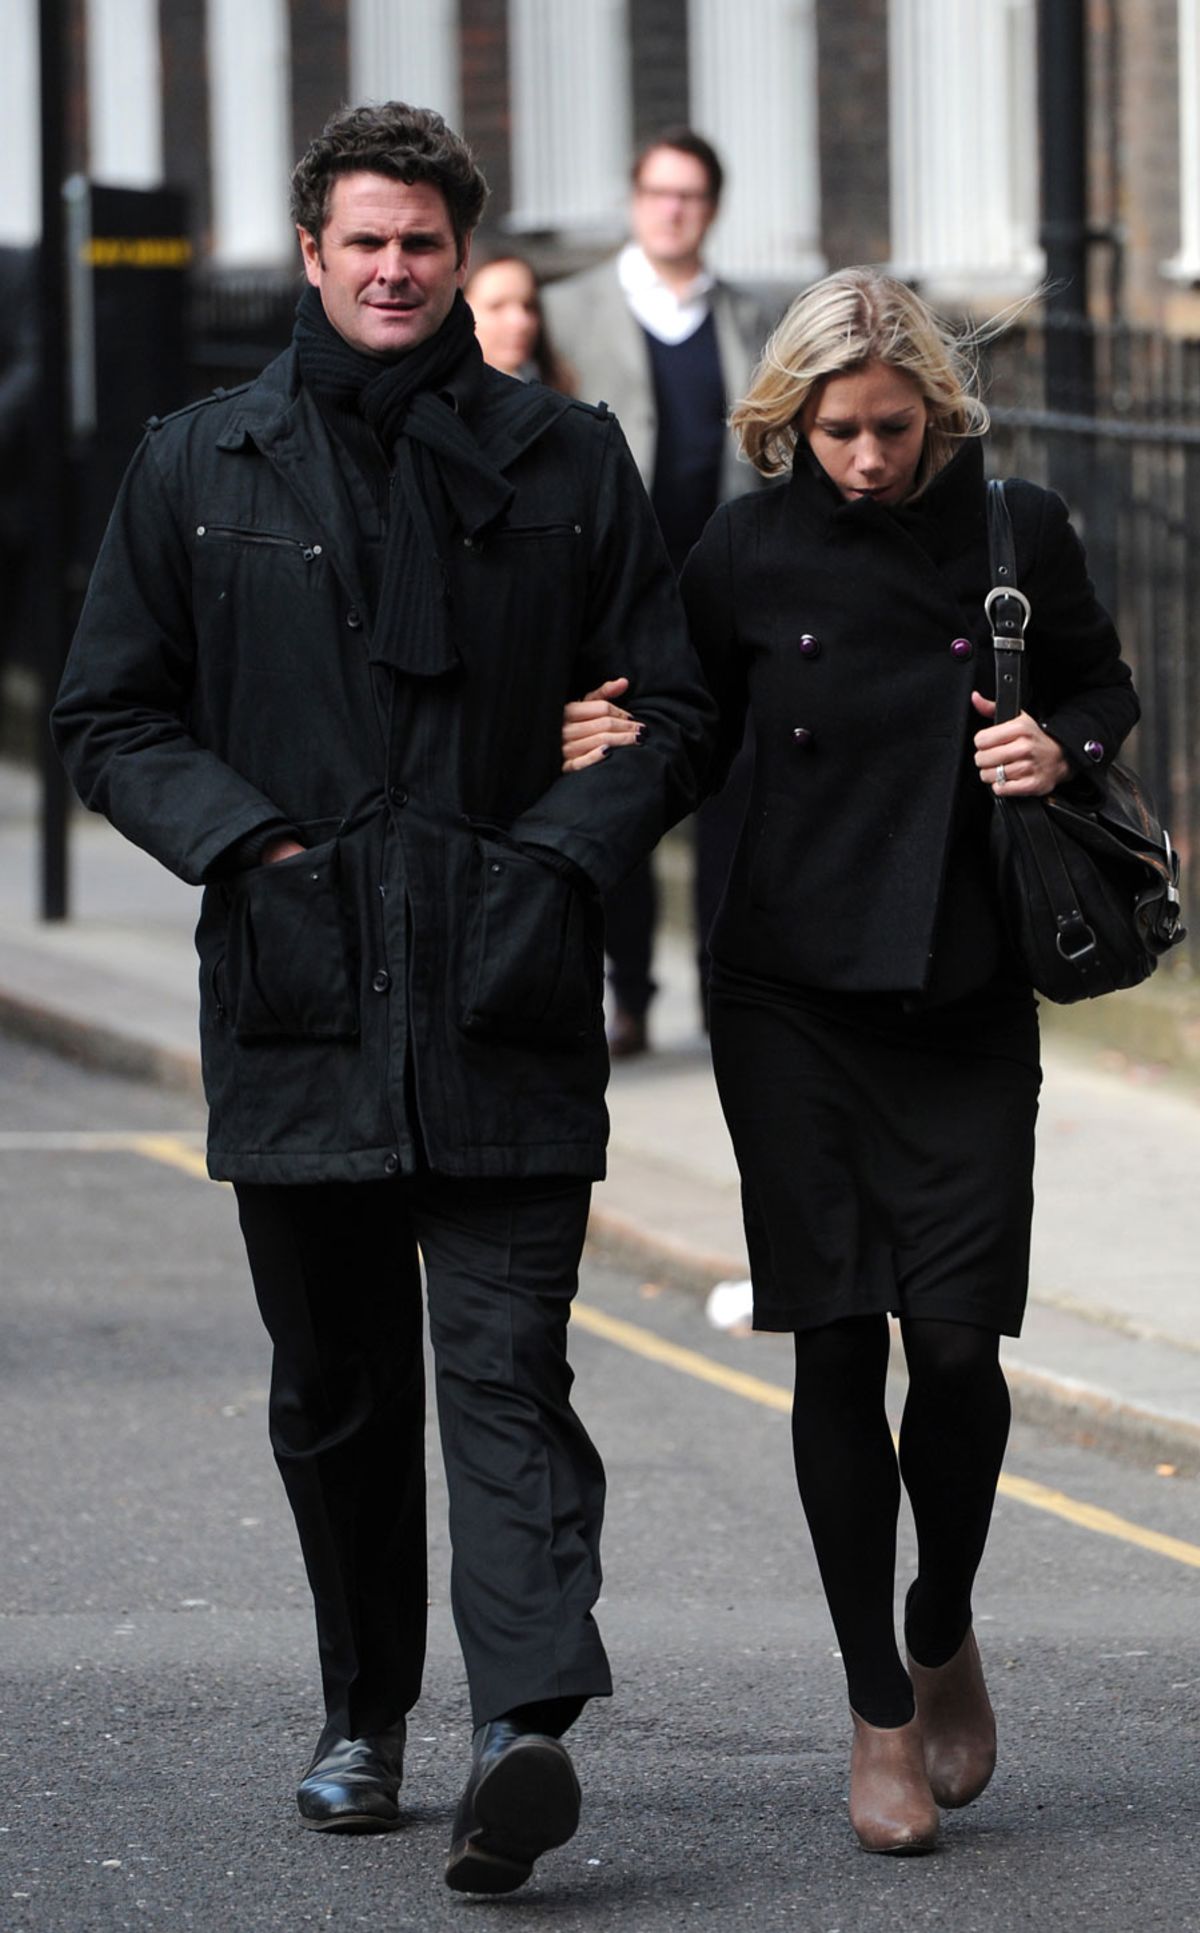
column 1008, row 609
column 1009, row 612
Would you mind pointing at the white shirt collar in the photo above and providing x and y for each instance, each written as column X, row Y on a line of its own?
column 669, row 316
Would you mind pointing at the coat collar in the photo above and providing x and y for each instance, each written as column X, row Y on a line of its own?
column 506, row 416
column 948, row 513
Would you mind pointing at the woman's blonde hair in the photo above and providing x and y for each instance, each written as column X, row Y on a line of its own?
column 858, row 316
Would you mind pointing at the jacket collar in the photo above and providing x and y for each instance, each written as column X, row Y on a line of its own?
column 951, row 506
column 505, row 415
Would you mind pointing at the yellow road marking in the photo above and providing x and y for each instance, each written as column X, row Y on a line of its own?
column 1089, row 1516
column 1037, row 1496
column 174, row 1152
column 643, row 1342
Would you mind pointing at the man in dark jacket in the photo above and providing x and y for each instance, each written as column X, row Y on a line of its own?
column 321, row 671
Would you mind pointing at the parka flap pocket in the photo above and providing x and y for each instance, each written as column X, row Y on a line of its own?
column 287, row 965
column 533, row 955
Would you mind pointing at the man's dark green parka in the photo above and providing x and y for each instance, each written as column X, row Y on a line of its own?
column 423, row 983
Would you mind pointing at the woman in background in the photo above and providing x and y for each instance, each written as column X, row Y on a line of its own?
column 502, row 292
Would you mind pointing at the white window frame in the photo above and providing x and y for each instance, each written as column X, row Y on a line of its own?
column 250, row 139
column 571, row 116
column 963, row 137
column 406, row 50
column 124, row 64
column 1185, row 265
column 20, row 137
column 753, row 93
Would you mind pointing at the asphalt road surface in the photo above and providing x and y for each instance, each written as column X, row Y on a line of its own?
column 158, row 1694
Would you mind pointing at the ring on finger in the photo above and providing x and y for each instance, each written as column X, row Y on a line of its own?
column 1001, row 776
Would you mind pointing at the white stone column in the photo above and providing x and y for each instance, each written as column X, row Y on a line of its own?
column 20, row 150
column 569, row 75
column 249, row 131
column 1185, row 266
column 753, row 93
column 963, row 90
column 406, row 50
column 124, row 60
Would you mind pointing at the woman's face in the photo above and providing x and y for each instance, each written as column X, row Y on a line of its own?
column 503, row 296
column 867, row 431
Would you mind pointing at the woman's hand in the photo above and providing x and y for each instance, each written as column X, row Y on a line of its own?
column 593, row 725
column 1018, row 760
column 277, row 849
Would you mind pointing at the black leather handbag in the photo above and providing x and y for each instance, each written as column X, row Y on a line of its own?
column 1089, row 893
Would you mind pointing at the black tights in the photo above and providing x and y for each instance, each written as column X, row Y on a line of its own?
column 952, row 1439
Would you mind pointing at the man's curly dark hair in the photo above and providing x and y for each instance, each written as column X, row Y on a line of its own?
column 408, row 143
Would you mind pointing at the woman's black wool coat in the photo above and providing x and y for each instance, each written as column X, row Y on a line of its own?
column 423, row 983
column 857, row 635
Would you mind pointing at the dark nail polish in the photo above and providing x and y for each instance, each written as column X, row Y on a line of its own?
column 606, row 752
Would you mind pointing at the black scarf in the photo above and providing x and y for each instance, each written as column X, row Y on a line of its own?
column 439, row 470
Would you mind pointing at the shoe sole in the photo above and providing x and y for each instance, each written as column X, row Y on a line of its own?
column 351, row 1822
column 525, row 1806
column 903, row 1848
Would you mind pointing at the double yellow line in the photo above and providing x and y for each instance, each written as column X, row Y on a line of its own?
column 175, row 1153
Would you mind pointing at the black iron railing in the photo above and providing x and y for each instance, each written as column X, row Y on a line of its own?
column 1130, row 470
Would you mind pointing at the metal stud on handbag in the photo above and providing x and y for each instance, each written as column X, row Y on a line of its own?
column 1089, row 892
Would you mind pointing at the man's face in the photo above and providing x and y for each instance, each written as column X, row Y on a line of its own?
column 672, row 209
column 386, row 264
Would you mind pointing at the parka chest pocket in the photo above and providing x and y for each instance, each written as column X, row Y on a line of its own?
column 232, row 537
column 288, row 968
column 529, row 533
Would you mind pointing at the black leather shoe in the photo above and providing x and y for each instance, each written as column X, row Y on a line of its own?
column 521, row 1799
column 353, row 1784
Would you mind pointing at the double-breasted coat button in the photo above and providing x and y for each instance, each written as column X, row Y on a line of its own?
column 810, row 647
column 397, row 795
column 391, row 1164
column 354, row 618
column 801, row 737
column 382, row 980
column 962, row 648
column 1094, row 750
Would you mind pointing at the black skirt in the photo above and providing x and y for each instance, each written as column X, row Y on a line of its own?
column 885, row 1149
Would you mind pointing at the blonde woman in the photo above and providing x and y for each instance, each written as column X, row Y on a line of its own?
column 875, row 1046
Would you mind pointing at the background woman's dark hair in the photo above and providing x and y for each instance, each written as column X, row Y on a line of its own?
column 408, row 143
column 552, row 369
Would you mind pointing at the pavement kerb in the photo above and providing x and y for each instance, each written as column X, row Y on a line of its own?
column 1038, row 1395
column 106, row 1050
column 667, row 1259
column 1100, row 1415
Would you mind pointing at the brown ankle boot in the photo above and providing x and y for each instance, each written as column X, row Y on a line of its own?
column 957, row 1723
column 891, row 1806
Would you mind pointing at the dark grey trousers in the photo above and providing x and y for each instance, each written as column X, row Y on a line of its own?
column 337, row 1278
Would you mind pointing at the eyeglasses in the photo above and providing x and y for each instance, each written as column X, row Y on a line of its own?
column 691, row 195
